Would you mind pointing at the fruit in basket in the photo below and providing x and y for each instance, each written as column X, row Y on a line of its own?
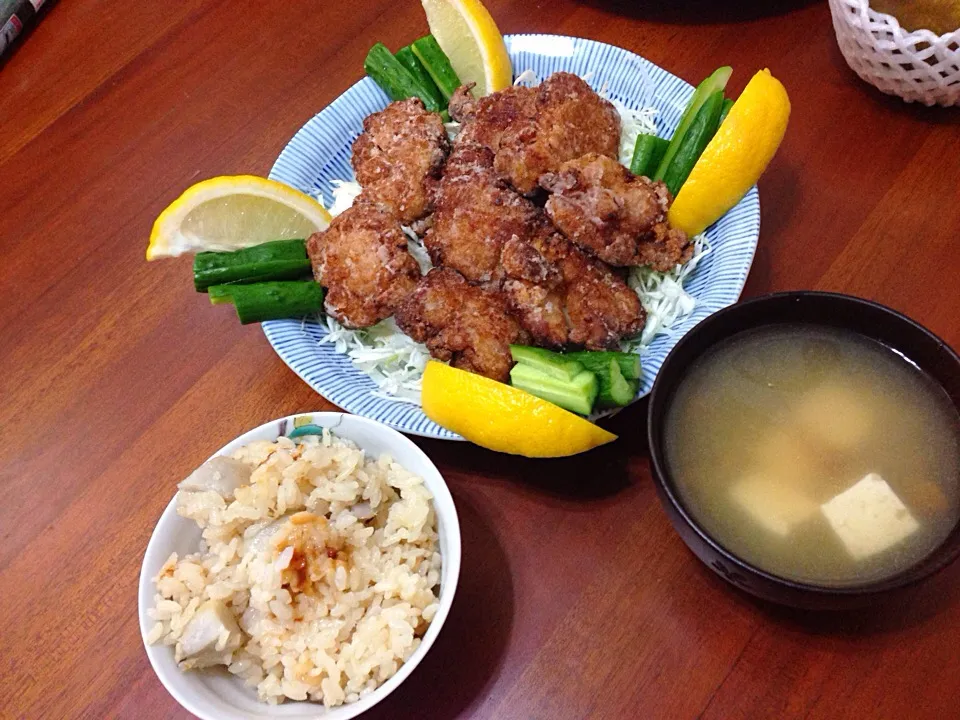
column 940, row 16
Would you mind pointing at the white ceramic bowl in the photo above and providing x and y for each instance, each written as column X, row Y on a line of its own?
column 217, row 695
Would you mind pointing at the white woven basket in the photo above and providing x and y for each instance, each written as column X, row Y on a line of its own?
column 917, row 66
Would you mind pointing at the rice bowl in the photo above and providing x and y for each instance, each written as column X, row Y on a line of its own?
column 375, row 592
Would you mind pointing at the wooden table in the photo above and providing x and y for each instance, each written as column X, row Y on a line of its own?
column 576, row 597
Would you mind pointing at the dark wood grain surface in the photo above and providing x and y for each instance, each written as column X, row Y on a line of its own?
column 576, row 598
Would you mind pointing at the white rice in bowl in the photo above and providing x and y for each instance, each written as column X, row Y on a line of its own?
column 317, row 574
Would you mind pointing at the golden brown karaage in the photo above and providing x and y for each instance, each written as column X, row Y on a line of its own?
column 465, row 324
column 531, row 131
column 398, row 158
column 613, row 214
column 363, row 261
column 563, row 297
column 475, row 214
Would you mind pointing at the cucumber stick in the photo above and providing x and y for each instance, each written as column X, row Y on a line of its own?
column 576, row 381
column 277, row 260
column 647, row 154
column 717, row 81
column 220, row 294
column 614, row 389
column 700, row 132
column 270, row 300
column 428, row 52
column 546, row 361
column 412, row 63
column 599, row 362
column 727, row 104
column 576, row 395
column 394, row 79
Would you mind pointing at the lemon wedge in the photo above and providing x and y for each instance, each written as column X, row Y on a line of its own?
column 470, row 39
column 503, row 418
column 233, row 212
column 735, row 158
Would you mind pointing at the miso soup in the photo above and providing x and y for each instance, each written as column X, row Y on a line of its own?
column 816, row 454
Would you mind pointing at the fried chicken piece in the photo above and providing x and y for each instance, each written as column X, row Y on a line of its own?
column 564, row 297
column 468, row 325
column 571, row 120
column 665, row 249
column 475, row 214
column 487, row 118
column 613, row 214
column 463, row 105
column 363, row 261
column 536, row 292
column 398, row 157
column 533, row 130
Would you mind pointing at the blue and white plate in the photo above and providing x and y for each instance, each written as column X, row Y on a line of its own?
column 320, row 153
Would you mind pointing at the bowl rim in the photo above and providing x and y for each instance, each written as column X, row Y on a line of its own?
column 660, row 402
column 451, row 565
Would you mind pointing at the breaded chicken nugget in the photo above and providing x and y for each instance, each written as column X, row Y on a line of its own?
column 468, row 325
column 363, row 261
column 613, row 214
column 475, row 214
column 563, row 297
column 398, row 158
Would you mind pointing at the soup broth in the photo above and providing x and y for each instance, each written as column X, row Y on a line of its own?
column 816, row 454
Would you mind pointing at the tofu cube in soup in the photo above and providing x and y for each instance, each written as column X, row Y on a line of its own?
column 869, row 517
column 772, row 504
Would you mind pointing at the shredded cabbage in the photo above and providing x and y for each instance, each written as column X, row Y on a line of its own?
column 417, row 250
column 395, row 362
column 386, row 355
column 344, row 193
column 453, row 129
column 527, row 77
column 663, row 296
column 632, row 124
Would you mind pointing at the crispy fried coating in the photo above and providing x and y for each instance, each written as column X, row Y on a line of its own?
column 486, row 119
column 563, row 297
column 536, row 293
column 398, row 158
column 533, row 130
column 463, row 105
column 363, row 261
column 468, row 325
column 613, row 214
column 475, row 214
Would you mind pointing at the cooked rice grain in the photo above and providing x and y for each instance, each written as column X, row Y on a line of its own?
column 327, row 562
